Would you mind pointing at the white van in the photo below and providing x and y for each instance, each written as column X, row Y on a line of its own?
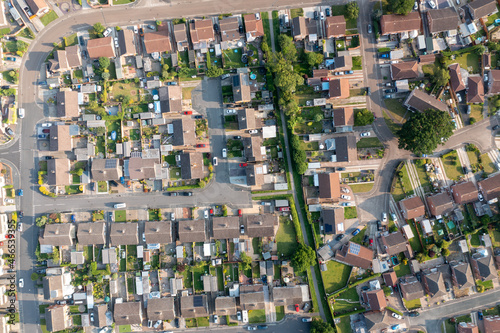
column 120, row 205
column 21, row 113
column 245, row 316
column 224, row 152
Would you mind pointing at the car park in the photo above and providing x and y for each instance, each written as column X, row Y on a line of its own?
column 355, row 232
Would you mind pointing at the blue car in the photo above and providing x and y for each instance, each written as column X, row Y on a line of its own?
column 73, row 218
column 42, row 136
column 355, row 232
column 20, row 193
column 395, row 327
column 384, row 55
column 480, row 315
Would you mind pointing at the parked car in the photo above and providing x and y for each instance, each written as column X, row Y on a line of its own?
column 321, row 16
column 388, row 91
column 495, row 127
column 346, row 204
column 188, row 112
column 297, row 308
column 447, row 286
column 368, row 91
column 306, row 307
column 355, row 232
column 46, row 124
column 216, row 319
column 251, row 328
column 397, row 316
column 214, row 161
column 262, row 327
column 413, row 314
column 230, row 111
column 152, row 27
column 239, row 212
column 346, row 197
column 307, row 320
column 9, row 131
column 9, row 201
column 224, row 152
column 480, row 197
column 254, row 131
column 21, row 282
column 339, row 237
column 371, row 241
column 205, row 213
column 394, row 217
column 240, row 29
column 242, row 165
column 20, row 193
column 198, row 116
column 340, row 169
column 328, row 12
column 238, row 315
column 363, row 134
column 370, row 28
column 480, row 315
column 316, row 15
column 20, row 214
column 395, row 327
column 349, row 72
column 242, row 229
column 384, row 56
column 388, row 96
column 225, row 76
column 107, row 32
column 10, row 59
column 92, row 316
column 415, row 6
column 21, row 113
column 41, row 271
column 187, row 194
column 201, row 145
column 384, row 217
column 20, row 226
column 431, row 4
column 171, row 194
column 325, row 79
column 237, row 137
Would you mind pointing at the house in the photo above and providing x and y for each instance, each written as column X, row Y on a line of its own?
column 440, row 20
column 157, row 41
column 490, row 187
column 170, row 98
column 404, row 70
column 494, row 81
column 191, row 231
column 161, row 309
column 184, row 132
column 60, row 234
column 106, row 169
column 254, row 28
column 58, row 172
column 342, row 63
column 67, row 59
column 126, row 42
column 246, row 118
column 91, row 233
column 467, row 328
column 333, row 221
column 427, row 59
column 440, row 204
column 255, row 174
column 60, row 138
column 101, row 47
column 335, row 26
column 483, row 265
column 191, row 166
column 304, row 27
column 378, row 321
column 229, row 29
column 390, row 278
column 202, row 34
column 158, row 232
column 124, row 233
column 339, row 88
column 395, row 24
column 285, row 296
column 227, row 227
column 53, row 287
column 492, row 324
column 343, row 119
column 343, row 148
column 464, row 193
column 375, row 299
column 103, row 315
column 128, row 313
column 252, row 147
column 225, row 306
column 109, row 256
column 421, row 101
column 329, row 187
column 181, row 38
column 67, row 104
column 37, row 7
column 456, row 81
column 263, row 225
column 412, row 208
column 481, row 8
column 475, row 90
column 138, row 167
column 433, row 282
column 355, row 255
column 57, row 318
column 252, row 297
column 411, row 288
column 194, row 306
column 241, row 88
column 393, row 243
column 461, row 275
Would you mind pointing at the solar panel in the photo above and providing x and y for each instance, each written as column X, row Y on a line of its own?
column 109, row 164
column 328, row 228
column 354, row 248
column 197, row 301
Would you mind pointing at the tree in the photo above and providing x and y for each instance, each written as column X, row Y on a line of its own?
column 313, row 58
column 14, row 75
column 104, row 62
column 485, row 220
column 79, row 172
column 445, row 252
column 246, row 261
column 106, row 75
column 319, row 326
column 401, row 7
column 423, row 132
column 441, row 76
column 34, row 276
column 21, row 46
column 480, row 49
column 480, row 288
column 41, row 221
column 387, row 291
column 114, row 276
column 420, row 257
column 288, row 49
column 55, row 254
column 472, row 120
column 303, row 257
column 377, row 14
column 98, row 28
column 393, row 228
column 363, row 117
column 318, row 117
column 214, row 71
column 352, row 10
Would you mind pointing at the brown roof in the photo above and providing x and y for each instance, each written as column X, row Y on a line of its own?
column 58, row 234
column 56, row 318
column 494, row 81
column 124, row 233
column 101, row 47
column 335, row 26
column 390, row 278
column 339, row 88
column 141, row 168
column 486, row 60
column 101, row 318
column 422, row 101
column 404, row 70
column 91, row 233
column 241, row 88
column 440, row 204
column 225, row 306
column 355, row 255
column 481, row 8
column 73, row 56
column 194, row 306
column 170, row 98
column 201, row 30
column 158, row 41
column 126, row 42
column 191, row 231
column 490, row 187
column 60, row 140
column 180, row 34
column 161, row 309
column 229, row 29
column 158, row 232
column 319, row 73
column 60, row 62
column 192, row 166
column 303, row 27
column 67, row 104
column 226, row 227
column 394, row 243
column 412, row 207
column 376, row 299
column 467, row 328
column 427, row 58
column 246, row 118
column 263, row 225
column 36, row 5
column 53, row 287
column 285, row 296
column 444, row 19
column 184, row 132
column 252, row 146
column 252, row 301
column 411, row 288
column 475, row 90
column 333, row 220
column 492, row 324
column 464, row 192
column 255, row 174
column 128, row 313
column 106, row 169
column 58, row 172
column 393, row 24
column 329, row 185
column 456, row 81
column 253, row 26
column 343, row 117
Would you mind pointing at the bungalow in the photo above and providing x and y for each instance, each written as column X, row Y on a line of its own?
column 456, row 82
column 493, row 81
column 481, row 8
column 421, row 101
column 411, row 288
column 329, row 187
column 106, row 169
column 158, row 232
column 343, row 119
column 254, row 27
column 461, row 275
column 335, row 26
column 194, row 306
column 375, row 300
column 139, row 167
column 303, row 28
column 170, row 99
column 161, row 309
column 128, row 313
column 58, row 172
column 67, row 59
column 433, row 282
column 395, row 24
column 339, row 89
column 227, row 227
column 465, row 192
column 101, row 47
column 60, row 234
column 253, row 149
column 158, row 41
column 440, row 20
column 191, row 231
column 60, row 138
column 241, row 88
column 246, row 118
column 483, row 265
column 440, row 204
column 124, row 233
column 404, row 70
column 181, row 38
column 229, row 29
column 184, row 132
column 333, row 221
column 57, row 318
column 202, row 34
column 412, row 208
column 490, row 187
column 263, row 225
column 91, row 233
column 475, row 90
column 225, row 306
column 355, row 255
column 67, row 104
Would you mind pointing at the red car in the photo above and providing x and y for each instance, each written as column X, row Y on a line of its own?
column 239, row 212
column 46, row 130
column 284, row 209
column 296, row 308
column 211, row 212
column 201, row 145
column 371, row 242
column 243, row 165
column 325, row 79
column 188, row 112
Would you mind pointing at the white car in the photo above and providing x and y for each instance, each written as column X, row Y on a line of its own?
column 92, row 317
column 230, row 111
column 363, row 134
column 46, row 124
column 216, row 319
column 21, row 113
column 394, row 217
column 238, row 315
column 214, row 161
column 224, row 152
column 9, row 201
column 384, row 217
column 480, row 196
column 144, row 237
column 136, row 30
column 107, row 32
column 172, row 216
column 257, row 16
column 21, row 283
column 205, row 214
column 395, row 315
column 345, row 204
column 431, row 4
column 254, row 131
column 346, row 197
column 415, row 7
column 20, row 227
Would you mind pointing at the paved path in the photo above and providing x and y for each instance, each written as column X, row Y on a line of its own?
column 271, row 193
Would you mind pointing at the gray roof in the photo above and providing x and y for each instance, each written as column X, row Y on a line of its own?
column 194, row 306
column 158, row 232
column 57, row 234
column 411, row 288
column 58, row 172
column 443, row 19
column 252, row 301
column 53, row 287
column 225, row 306
column 67, row 104
column 91, row 233
column 192, row 165
column 246, row 119
column 394, row 243
column 422, row 101
column 161, row 308
column 226, row 227
column 106, row 169
column 128, row 313
column 434, row 284
column 462, row 274
column 255, row 174
column 101, row 317
column 184, row 132
column 241, row 88
column 484, row 266
column 191, row 231
column 126, row 42
column 287, row 295
column 263, row 225
column 124, row 234
column 481, row 8
column 252, row 146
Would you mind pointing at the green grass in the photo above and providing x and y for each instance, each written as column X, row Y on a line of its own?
column 296, row 12
column 26, row 33
column 153, row 215
column 492, row 19
column 102, row 186
column 414, row 304
column 464, row 319
column 198, row 272
column 286, row 238
column 186, row 92
column 415, row 241
column 72, row 189
column 452, row 166
column 495, row 238
column 344, row 326
column 122, row 2
column 424, row 179
column 120, row 216
column 124, row 328
column 135, row 135
column 276, row 29
column 190, row 322
column 257, row 316
column 486, row 284
column 358, row 239
column 101, row 145
column 130, row 90
column 476, row 112
column 280, row 312
column 350, row 213
column 341, row 10
column 202, row 322
column 336, row 276
column 357, row 63
column 488, row 166
column 396, row 109
column 232, row 58
column 264, row 16
column 466, row 60
column 78, row 74
column 393, row 127
column 175, row 173
column 402, row 270
column 449, row 327
column 6, row 76
column 4, row 31
column 472, row 157
column 372, row 142
column 361, row 188
column 49, row 17
column 309, row 145
column 71, row 40
column 474, row 239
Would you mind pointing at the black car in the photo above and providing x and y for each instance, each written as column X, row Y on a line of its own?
column 92, row 186
column 419, row 277
column 85, row 55
column 447, row 286
column 5, row 87
column 465, row 170
column 113, row 183
column 413, row 314
column 216, row 28
column 262, row 327
column 187, row 194
column 198, row 116
column 495, row 127
column 240, row 29
column 365, row 239
column 339, row 237
column 379, row 225
column 368, row 91
column 327, row 12
column 340, row 169
column 316, row 15
column 237, row 137
column 20, row 214
column 82, row 42
column 388, row 91
column 171, row 194
column 41, row 271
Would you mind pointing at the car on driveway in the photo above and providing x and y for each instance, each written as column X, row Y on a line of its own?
column 415, row 6
column 384, row 217
column 327, row 12
column 254, row 131
column 480, row 315
column 339, row 237
column 495, row 127
column 307, row 320
column 346, row 197
column 355, row 232
column 188, row 112
column 397, row 316
column 346, row 204
column 480, row 197
column 10, row 59
column 413, row 314
column 242, row 165
column 297, row 308
column 198, row 116
column 394, row 217
column 46, row 124
column 230, row 111
column 237, row 137
column 201, row 145
column 431, row 4
column 364, row 134
column 447, row 286
column 205, row 213
column 390, row 91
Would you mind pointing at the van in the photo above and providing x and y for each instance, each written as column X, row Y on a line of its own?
column 224, row 152
column 245, row 316
column 120, row 205
column 21, row 113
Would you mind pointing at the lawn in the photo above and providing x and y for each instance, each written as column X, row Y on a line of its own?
column 414, row 304
column 488, row 166
column 78, row 74
column 492, row 19
column 130, row 90
column 153, row 215
column 120, row 216
column 135, row 135
column 264, row 16
column 102, row 186
column 5, row 31
column 49, row 17
column 280, row 312
column 122, row 2
column 474, row 239
column 396, row 108
column 476, row 112
column 361, row 188
column 202, row 322
column 495, row 238
column 286, row 238
column 296, row 12
column 232, row 58
column 124, row 328
column 345, row 325
column 71, row 40
column 472, row 157
column 310, row 127
column 466, row 60
column 26, row 33
column 357, row 63
column 198, row 272
column 358, row 239
column 452, row 166
column 341, row 10
column 402, row 270
column 257, row 316
column 372, row 142
column 350, row 213
column 101, row 145
column 76, row 179
column 424, row 179
column 309, row 145
column 257, row 245
column 336, row 276
column 464, row 319
column 186, row 92
column 344, row 306
column 449, row 327
column 72, row 189
column 276, row 29
column 415, row 241
column 393, row 127
column 6, row 76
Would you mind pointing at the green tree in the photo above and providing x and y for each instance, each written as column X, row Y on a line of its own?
column 480, row 288
column 79, row 172
column 214, row 71
column 14, row 74
column 106, row 75
column 318, row 117
column 313, row 58
column 21, row 46
column 441, row 76
column 387, row 291
column 485, row 220
column 420, row 257
column 363, row 117
column 480, row 49
column 303, row 258
column 104, row 62
column 352, row 10
column 41, row 221
column 246, row 261
column 445, row 252
column 98, row 28
column 34, row 276
column 422, row 133
column 401, row 7
column 55, row 254
column 377, row 14
column 319, row 326
column 288, row 49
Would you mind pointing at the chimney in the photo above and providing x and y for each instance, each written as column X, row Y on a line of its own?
column 190, row 228
column 52, row 171
column 90, row 230
column 157, row 229
column 56, row 232
column 259, row 223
